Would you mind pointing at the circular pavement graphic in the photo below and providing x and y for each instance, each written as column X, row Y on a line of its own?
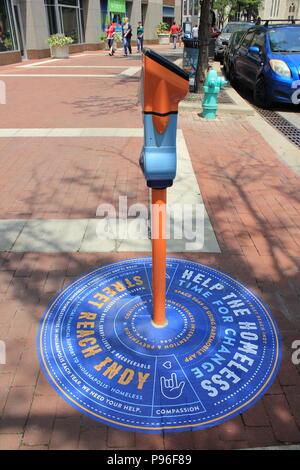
column 216, row 357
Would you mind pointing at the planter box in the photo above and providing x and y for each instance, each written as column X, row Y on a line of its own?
column 60, row 52
column 163, row 38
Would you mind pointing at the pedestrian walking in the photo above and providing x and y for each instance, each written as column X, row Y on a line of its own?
column 140, row 36
column 126, row 36
column 110, row 31
column 174, row 30
column 195, row 32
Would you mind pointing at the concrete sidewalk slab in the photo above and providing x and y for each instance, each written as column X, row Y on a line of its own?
column 287, row 152
column 80, row 235
column 9, row 231
column 46, row 236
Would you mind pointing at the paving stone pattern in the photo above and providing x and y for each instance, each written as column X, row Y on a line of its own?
column 253, row 203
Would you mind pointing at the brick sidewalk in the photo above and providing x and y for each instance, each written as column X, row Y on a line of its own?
column 253, row 203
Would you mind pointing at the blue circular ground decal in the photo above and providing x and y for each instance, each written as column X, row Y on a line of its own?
column 216, row 357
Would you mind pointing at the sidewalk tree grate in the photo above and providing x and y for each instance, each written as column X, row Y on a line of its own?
column 281, row 124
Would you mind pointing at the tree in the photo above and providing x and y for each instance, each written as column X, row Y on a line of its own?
column 224, row 9
column 250, row 8
column 237, row 10
column 203, row 38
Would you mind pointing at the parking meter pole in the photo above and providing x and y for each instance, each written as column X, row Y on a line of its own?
column 159, row 255
column 164, row 85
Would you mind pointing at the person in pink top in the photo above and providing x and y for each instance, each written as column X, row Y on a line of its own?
column 110, row 31
column 174, row 31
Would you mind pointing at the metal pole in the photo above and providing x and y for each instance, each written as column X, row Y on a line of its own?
column 159, row 253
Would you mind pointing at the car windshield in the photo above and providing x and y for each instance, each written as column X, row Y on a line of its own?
column 231, row 27
column 285, row 39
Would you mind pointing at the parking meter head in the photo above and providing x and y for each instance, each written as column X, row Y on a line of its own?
column 164, row 85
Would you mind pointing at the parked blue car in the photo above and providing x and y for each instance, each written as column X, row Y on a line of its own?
column 267, row 60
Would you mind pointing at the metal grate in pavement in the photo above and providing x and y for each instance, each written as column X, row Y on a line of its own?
column 224, row 98
column 281, row 124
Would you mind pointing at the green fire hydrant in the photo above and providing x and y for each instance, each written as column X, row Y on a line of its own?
column 212, row 87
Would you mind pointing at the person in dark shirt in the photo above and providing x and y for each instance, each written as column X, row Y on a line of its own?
column 126, row 36
column 140, row 36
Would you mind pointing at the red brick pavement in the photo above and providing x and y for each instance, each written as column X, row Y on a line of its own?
column 252, row 200
column 73, row 176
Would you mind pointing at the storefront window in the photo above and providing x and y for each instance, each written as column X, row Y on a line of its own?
column 51, row 15
column 7, row 36
column 66, row 16
column 185, row 7
column 196, row 7
column 68, row 2
column 70, row 23
column 115, row 11
column 168, row 15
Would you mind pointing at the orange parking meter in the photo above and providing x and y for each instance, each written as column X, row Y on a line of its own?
column 164, row 85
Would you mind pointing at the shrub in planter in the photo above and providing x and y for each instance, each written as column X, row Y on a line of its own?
column 59, row 45
column 8, row 44
column 163, row 33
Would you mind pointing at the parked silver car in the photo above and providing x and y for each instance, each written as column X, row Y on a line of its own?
column 223, row 40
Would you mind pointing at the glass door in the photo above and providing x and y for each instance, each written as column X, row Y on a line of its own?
column 70, row 23
column 19, row 28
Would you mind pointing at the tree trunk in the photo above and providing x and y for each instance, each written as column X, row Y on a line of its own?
column 204, row 38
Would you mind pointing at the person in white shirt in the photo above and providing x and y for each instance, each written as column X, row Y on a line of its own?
column 195, row 32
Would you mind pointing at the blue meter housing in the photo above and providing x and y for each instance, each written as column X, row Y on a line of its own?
column 164, row 85
column 158, row 159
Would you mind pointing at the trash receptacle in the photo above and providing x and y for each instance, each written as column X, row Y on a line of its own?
column 191, row 55
column 190, row 59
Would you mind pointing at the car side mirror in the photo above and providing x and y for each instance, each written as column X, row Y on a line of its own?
column 254, row 50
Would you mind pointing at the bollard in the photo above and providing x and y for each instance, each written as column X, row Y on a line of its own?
column 212, row 87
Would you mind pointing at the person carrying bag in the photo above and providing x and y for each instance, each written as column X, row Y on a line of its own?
column 110, row 31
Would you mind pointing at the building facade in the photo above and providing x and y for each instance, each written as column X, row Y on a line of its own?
column 280, row 9
column 191, row 11
column 25, row 25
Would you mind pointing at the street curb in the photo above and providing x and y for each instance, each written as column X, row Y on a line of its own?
column 287, row 152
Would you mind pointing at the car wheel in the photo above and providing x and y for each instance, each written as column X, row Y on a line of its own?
column 260, row 95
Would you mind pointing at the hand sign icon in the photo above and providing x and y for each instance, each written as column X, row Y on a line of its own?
column 170, row 388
